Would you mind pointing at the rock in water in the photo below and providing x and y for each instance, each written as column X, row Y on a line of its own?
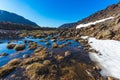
column 32, row 45
column 25, row 56
column 55, row 45
column 47, row 43
column 11, row 46
column 20, row 47
column 4, row 54
column 53, row 40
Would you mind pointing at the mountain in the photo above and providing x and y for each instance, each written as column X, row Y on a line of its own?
column 6, row 16
column 110, row 11
column 70, row 25
column 104, row 24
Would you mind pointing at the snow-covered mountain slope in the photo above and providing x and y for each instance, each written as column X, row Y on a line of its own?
column 112, row 10
column 93, row 23
column 108, row 57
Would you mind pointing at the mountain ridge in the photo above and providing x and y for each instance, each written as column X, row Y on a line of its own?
column 6, row 16
column 110, row 11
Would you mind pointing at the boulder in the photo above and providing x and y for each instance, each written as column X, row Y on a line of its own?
column 55, row 45
column 20, row 47
column 32, row 45
column 11, row 46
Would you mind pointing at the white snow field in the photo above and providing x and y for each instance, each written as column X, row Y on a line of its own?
column 109, row 60
column 93, row 23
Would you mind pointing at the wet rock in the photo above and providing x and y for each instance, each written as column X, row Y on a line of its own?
column 11, row 46
column 25, row 56
column 53, row 40
column 26, row 41
column 38, row 49
column 41, row 40
column 47, row 43
column 20, row 47
column 67, row 54
column 55, row 45
column 4, row 54
column 32, row 45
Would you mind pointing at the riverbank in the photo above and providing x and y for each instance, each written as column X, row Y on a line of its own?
column 63, row 59
column 57, row 55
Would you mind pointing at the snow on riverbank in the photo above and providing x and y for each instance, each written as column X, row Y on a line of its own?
column 93, row 23
column 109, row 61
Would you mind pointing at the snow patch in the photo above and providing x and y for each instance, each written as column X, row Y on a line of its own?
column 93, row 23
column 109, row 61
column 84, row 37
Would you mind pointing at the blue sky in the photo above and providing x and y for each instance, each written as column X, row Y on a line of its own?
column 53, row 13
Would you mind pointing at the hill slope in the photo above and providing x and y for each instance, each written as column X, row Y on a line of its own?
column 70, row 25
column 14, row 18
column 110, row 11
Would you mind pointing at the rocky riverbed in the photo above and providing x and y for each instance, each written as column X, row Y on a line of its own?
column 48, row 55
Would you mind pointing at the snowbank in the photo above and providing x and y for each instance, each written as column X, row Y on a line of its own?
column 109, row 61
column 93, row 23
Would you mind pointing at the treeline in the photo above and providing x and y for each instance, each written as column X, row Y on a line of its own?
column 14, row 26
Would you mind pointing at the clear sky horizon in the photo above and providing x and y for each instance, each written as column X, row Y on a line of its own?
column 53, row 13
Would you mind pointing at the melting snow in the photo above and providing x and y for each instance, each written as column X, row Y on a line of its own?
column 109, row 61
column 93, row 23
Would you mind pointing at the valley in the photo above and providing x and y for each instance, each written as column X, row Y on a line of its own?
column 83, row 50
